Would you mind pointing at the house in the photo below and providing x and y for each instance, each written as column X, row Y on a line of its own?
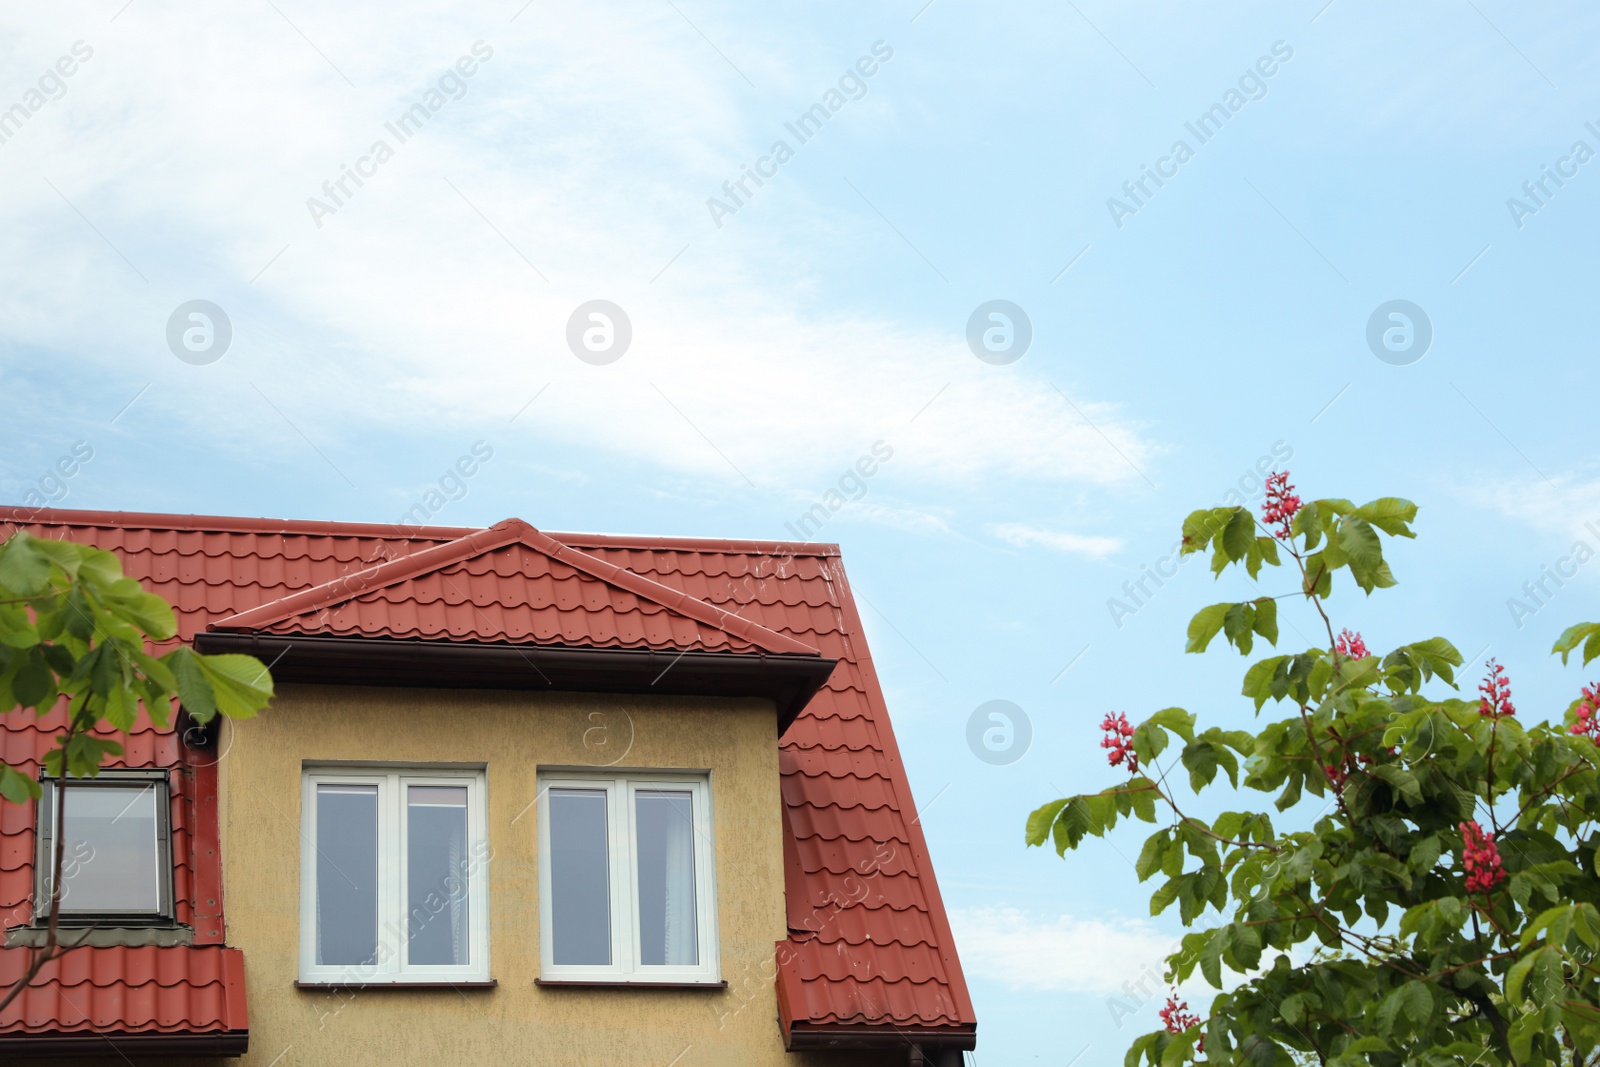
column 522, row 798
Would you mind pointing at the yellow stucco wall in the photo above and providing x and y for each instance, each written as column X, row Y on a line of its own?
column 517, row 1022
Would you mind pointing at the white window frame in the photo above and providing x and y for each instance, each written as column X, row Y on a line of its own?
column 393, row 946
column 622, row 844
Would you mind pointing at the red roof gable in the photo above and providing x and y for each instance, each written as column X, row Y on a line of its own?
column 870, row 950
column 510, row 583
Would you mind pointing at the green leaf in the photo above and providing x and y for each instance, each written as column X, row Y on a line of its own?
column 1359, row 543
column 1524, row 1028
column 1142, row 801
column 23, row 568
column 82, row 756
column 1585, row 633
column 16, row 629
column 1433, row 919
column 17, row 787
column 1162, row 898
column 122, row 708
column 1516, row 978
column 1390, row 514
column 1259, row 679
column 1077, row 820
column 1586, row 921
column 1150, row 857
column 1180, row 1049
column 1201, row 526
column 1547, row 985
column 1266, row 620
column 1211, row 956
column 194, row 688
column 1205, row 625
column 1291, row 793
column 1042, row 819
column 236, row 685
column 1413, row 999
column 1266, row 550
column 1404, row 781
column 1239, row 534
column 1245, row 943
column 34, row 684
column 152, row 615
column 1139, row 1048
column 1238, row 623
column 1307, row 523
column 1557, row 920
column 1200, row 759
column 95, row 568
column 1177, row 720
column 1409, row 666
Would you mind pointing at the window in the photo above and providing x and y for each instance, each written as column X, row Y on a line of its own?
column 394, row 877
column 627, row 890
column 116, row 863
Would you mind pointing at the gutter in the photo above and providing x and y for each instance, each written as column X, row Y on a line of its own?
column 871, row 1037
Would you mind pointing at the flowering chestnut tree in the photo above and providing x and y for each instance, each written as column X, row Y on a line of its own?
column 1428, row 894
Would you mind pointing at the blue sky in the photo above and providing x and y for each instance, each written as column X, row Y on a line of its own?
column 1223, row 318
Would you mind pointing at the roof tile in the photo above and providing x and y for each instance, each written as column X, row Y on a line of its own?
column 187, row 989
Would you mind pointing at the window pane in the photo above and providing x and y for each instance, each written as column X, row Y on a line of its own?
column 664, row 822
column 111, row 858
column 347, row 874
column 436, row 874
column 580, row 881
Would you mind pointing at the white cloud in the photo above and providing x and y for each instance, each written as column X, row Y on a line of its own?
column 1118, row 957
column 1019, row 951
column 1023, row 536
column 584, row 152
column 907, row 518
column 1562, row 505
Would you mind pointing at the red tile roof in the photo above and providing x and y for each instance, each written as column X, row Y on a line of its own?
column 869, row 948
column 115, row 992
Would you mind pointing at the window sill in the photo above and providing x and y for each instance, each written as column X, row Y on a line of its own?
column 488, row 984
column 623, row 983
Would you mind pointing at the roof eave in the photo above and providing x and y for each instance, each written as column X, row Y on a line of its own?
column 789, row 681
column 78, row 1044
column 874, row 1036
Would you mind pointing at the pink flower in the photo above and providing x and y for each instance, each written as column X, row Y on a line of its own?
column 1281, row 504
column 1350, row 645
column 1480, row 857
column 1496, row 690
column 1119, row 739
column 1177, row 1017
column 1587, row 722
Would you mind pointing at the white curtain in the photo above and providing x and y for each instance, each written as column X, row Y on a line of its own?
column 680, row 931
column 458, row 899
